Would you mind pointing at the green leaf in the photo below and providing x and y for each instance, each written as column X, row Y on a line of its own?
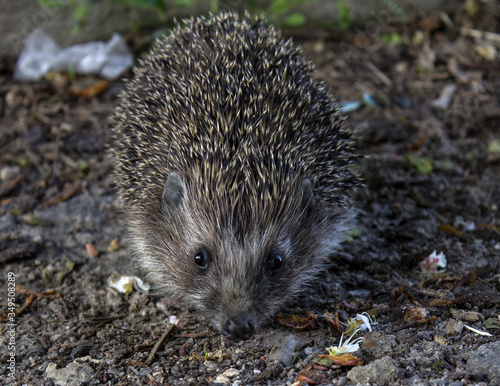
column 81, row 11
column 205, row 350
column 494, row 146
column 53, row 4
column 21, row 160
column 445, row 165
column 298, row 2
column 395, row 8
column 214, row 6
column 345, row 19
column 422, row 164
column 491, row 323
column 437, row 365
column 323, row 361
column 145, row 4
column 74, row 31
column 31, row 219
column 295, row 19
column 184, row 3
column 353, row 232
column 279, row 6
column 393, row 38
column 71, row 67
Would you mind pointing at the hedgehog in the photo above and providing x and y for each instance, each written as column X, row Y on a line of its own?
column 234, row 168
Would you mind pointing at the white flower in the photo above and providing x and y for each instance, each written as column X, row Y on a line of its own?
column 432, row 262
column 367, row 321
column 347, row 346
column 172, row 319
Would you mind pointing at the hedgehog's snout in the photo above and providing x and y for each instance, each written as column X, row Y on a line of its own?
column 238, row 327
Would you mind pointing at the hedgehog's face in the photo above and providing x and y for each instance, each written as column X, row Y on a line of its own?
column 237, row 277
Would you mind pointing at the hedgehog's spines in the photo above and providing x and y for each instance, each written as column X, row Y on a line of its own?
column 224, row 143
column 234, row 109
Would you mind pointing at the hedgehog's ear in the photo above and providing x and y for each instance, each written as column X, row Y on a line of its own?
column 173, row 193
column 307, row 195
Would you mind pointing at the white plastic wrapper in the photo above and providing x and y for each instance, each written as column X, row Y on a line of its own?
column 41, row 54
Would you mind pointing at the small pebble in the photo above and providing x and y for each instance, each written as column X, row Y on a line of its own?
column 9, row 172
column 470, row 316
column 91, row 251
column 308, row 351
column 283, row 351
column 454, row 327
column 221, row 378
column 230, row 373
column 441, row 340
column 210, row 365
column 485, row 361
column 382, row 370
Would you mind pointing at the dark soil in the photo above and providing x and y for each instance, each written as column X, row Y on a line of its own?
column 432, row 183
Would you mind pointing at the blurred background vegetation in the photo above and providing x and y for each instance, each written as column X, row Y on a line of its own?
column 278, row 12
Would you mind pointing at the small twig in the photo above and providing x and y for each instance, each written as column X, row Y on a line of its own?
column 50, row 293
column 379, row 73
column 158, row 344
column 198, row 335
column 6, row 189
column 480, row 34
column 31, row 298
column 101, row 320
column 66, row 194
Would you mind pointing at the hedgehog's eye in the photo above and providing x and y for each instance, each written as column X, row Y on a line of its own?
column 201, row 258
column 275, row 262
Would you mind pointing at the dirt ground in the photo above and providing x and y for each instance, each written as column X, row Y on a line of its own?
column 429, row 131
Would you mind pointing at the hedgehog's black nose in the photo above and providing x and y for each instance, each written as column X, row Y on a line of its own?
column 238, row 327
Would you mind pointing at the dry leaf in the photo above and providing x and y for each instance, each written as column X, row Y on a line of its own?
column 346, row 359
column 310, row 322
column 448, row 229
column 88, row 92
